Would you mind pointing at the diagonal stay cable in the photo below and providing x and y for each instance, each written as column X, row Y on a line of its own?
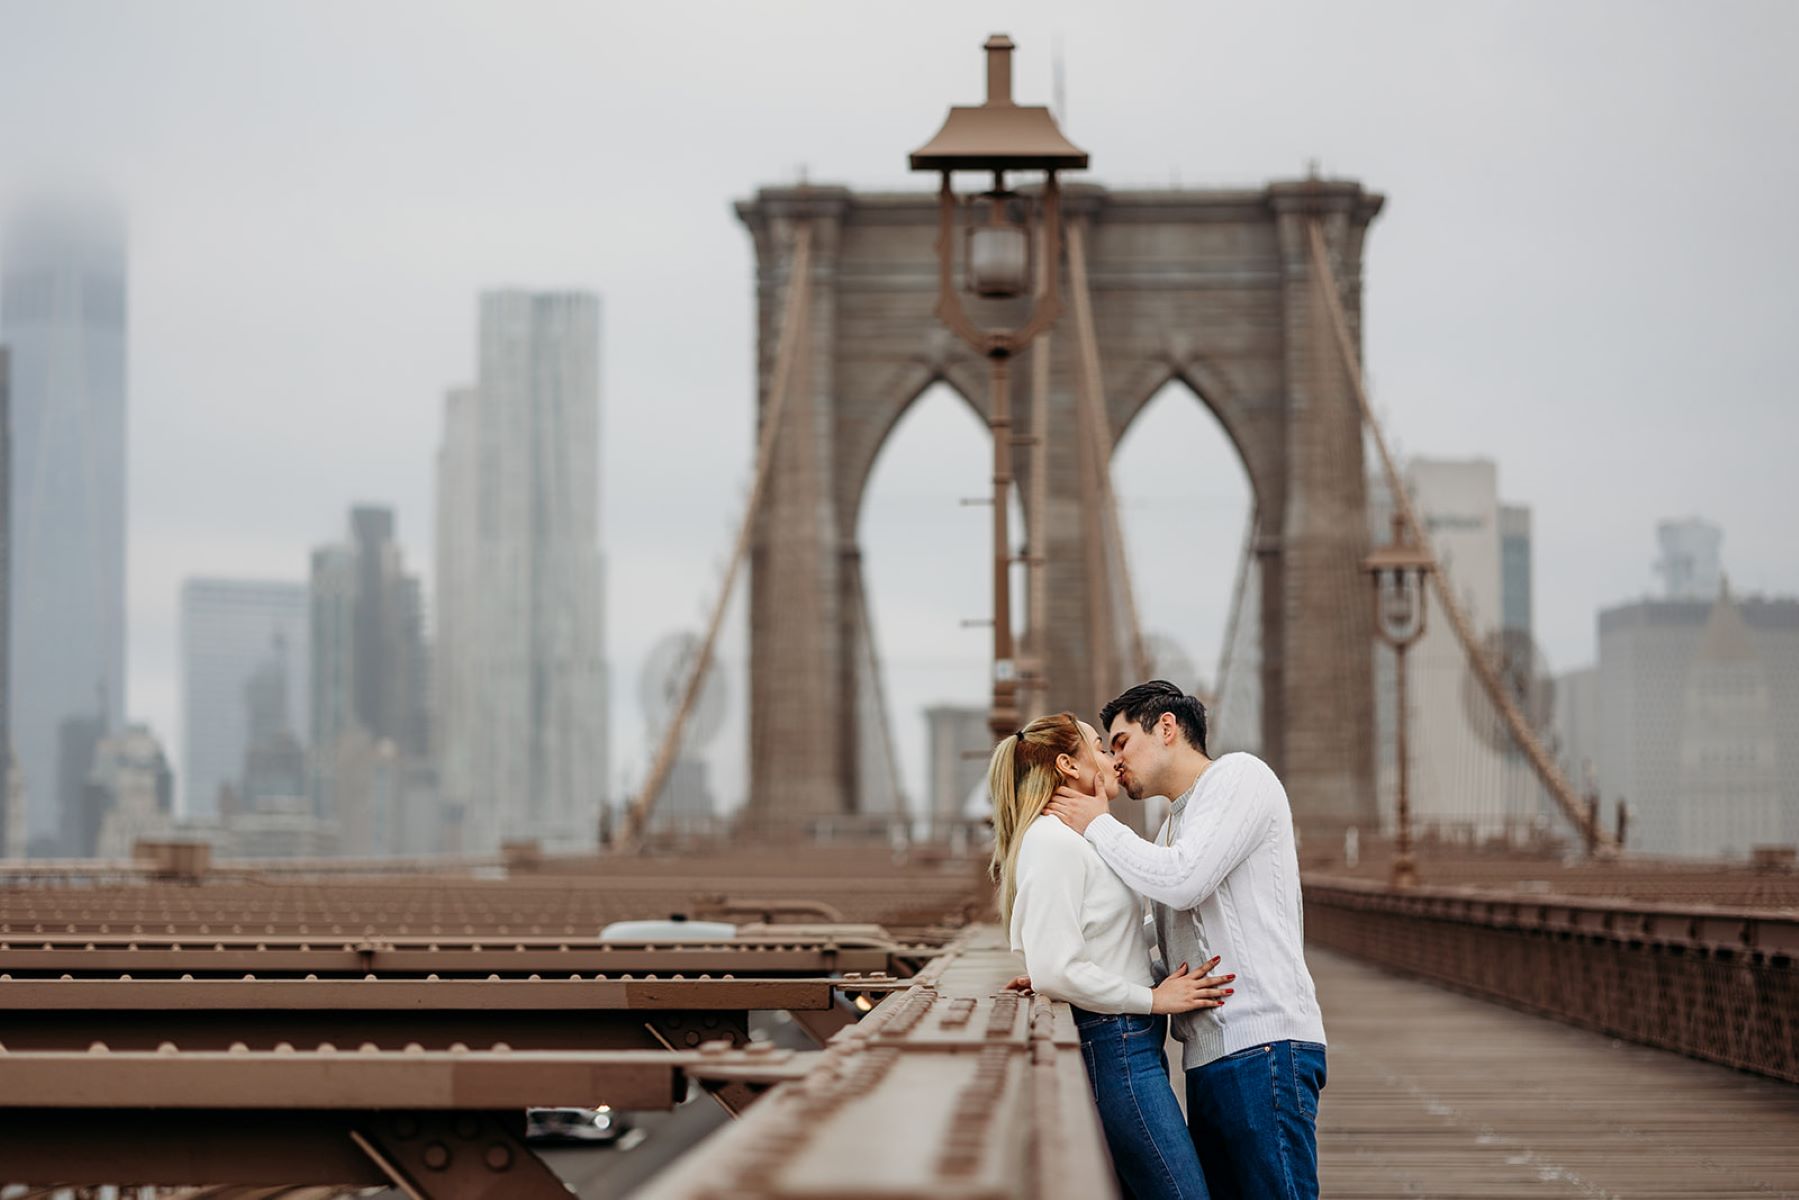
column 793, row 320
column 1550, row 775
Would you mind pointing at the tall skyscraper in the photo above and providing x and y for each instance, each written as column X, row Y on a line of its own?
column 1467, row 779
column 63, row 317
column 369, row 673
column 522, row 689
column 227, row 628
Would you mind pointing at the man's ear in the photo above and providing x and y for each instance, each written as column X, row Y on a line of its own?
column 1165, row 725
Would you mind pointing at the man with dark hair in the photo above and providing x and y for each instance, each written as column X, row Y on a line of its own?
column 1223, row 879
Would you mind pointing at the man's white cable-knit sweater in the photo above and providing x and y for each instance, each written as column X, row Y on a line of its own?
column 1227, row 883
column 1077, row 924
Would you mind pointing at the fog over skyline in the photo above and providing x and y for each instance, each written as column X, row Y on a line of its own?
column 1587, row 269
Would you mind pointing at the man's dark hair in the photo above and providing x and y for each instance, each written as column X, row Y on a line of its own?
column 1145, row 704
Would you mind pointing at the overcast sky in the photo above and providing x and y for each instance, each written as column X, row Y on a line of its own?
column 1587, row 269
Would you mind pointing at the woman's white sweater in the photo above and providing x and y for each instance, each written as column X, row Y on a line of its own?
column 1079, row 926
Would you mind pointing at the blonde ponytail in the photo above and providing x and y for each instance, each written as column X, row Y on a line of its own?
column 1021, row 778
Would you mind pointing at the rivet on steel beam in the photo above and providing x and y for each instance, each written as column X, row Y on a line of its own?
column 67, row 978
column 437, row 1156
column 368, row 1048
column 431, row 978
column 166, row 1048
column 311, row 978
column 458, row 1047
column 239, row 1048
column 502, row 1048
column 493, row 979
column 284, row 1047
column 327, row 1048
column 187, row 979
column 498, row 1157
column 369, row 978
column 248, row 978
column 97, row 1048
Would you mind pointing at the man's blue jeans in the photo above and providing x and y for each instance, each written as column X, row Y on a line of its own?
column 1254, row 1118
column 1151, row 1150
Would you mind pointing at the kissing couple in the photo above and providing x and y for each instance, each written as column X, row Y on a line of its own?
column 1221, row 882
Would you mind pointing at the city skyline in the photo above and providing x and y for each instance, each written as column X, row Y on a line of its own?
column 1484, row 295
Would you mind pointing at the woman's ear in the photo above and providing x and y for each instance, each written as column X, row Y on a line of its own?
column 1065, row 765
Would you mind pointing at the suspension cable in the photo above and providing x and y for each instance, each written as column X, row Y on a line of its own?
column 1551, row 776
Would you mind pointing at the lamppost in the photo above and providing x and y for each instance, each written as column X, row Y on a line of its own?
column 1399, row 570
column 999, row 137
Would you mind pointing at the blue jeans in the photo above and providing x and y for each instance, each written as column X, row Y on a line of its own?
column 1151, row 1150
column 1254, row 1119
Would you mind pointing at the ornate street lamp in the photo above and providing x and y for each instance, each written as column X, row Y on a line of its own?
column 1399, row 570
column 1001, row 138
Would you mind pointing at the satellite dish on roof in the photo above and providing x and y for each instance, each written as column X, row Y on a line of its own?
column 662, row 680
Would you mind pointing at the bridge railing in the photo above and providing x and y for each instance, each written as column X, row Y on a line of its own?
column 1720, row 984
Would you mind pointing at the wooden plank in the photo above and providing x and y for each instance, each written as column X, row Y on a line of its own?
column 1432, row 1093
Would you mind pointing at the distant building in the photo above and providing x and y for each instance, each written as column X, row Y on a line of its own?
column 1690, row 565
column 1577, row 728
column 132, row 790
column 521, row 673
column 960, row 745
column 228, row 627
column 274, row 772
column 1467, row 780
column 369, row 676
column 63, row 319
column 80, row 807
column 1515, row 583
column 1698, row 706
column 279, row 830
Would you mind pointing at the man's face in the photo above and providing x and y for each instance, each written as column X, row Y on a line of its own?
column 1138, row 753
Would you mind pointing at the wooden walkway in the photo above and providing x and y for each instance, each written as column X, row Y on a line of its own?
column 1436, row 1094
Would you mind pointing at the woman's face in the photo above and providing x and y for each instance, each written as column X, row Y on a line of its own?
column 1096, row 766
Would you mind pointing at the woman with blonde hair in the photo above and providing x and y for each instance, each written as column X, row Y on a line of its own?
column 1081, row 931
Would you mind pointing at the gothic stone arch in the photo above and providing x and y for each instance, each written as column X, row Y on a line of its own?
column 1210, row 288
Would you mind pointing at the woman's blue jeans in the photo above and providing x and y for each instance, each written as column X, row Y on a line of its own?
column 1151, row 1150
